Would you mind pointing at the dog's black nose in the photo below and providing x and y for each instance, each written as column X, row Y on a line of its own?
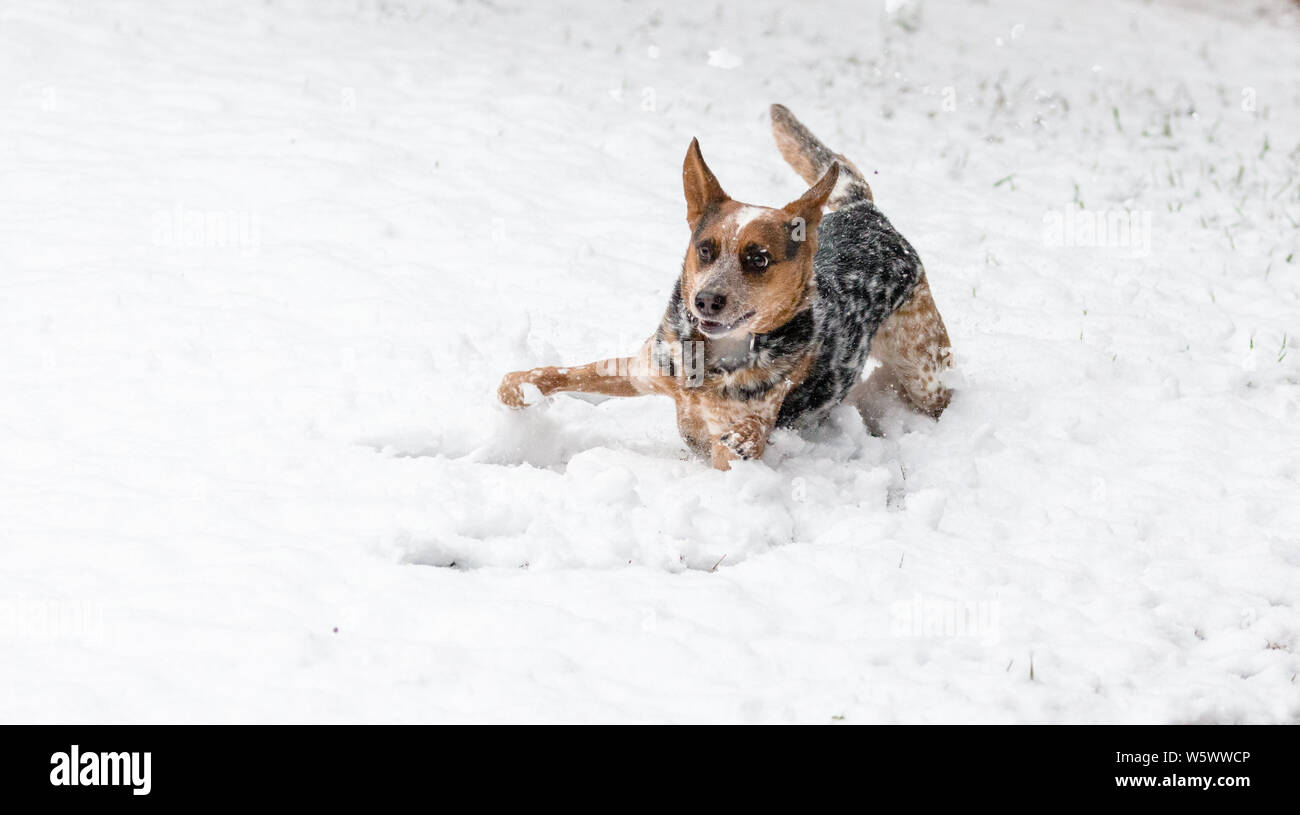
column 708, row 303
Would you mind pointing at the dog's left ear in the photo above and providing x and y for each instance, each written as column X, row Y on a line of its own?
column 809, row 206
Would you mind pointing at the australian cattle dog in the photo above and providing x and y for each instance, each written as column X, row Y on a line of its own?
column 776, row 311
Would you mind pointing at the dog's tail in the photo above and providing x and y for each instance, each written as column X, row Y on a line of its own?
column 811, row 159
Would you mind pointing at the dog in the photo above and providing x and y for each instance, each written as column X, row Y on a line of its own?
column 776, row 311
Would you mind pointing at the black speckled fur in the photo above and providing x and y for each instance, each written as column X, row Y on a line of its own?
column 864, row 270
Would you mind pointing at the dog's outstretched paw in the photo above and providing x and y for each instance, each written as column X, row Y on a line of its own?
column 517, row 390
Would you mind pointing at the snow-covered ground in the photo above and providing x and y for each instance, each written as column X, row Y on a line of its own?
column 262, row 265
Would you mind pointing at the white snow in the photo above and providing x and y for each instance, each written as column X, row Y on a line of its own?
column 262, row 266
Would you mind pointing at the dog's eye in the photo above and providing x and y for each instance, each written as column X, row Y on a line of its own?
column 757, row 261
column 706, row 252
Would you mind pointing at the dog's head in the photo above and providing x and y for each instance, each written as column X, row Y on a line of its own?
column 748, row 269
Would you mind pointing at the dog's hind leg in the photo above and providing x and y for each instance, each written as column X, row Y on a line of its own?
column 914, row 351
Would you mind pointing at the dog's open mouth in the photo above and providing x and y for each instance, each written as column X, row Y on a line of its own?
column 714, row 328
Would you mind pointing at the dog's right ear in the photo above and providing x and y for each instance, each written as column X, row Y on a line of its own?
column 703, row 191
column 809, row 205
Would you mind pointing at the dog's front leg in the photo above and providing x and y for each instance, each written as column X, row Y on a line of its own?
column 744, row 439
column 619, row 376
column 739, row 429
column 522, row 388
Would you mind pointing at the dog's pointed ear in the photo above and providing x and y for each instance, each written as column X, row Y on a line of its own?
column 809, row 205
column 702, row 188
